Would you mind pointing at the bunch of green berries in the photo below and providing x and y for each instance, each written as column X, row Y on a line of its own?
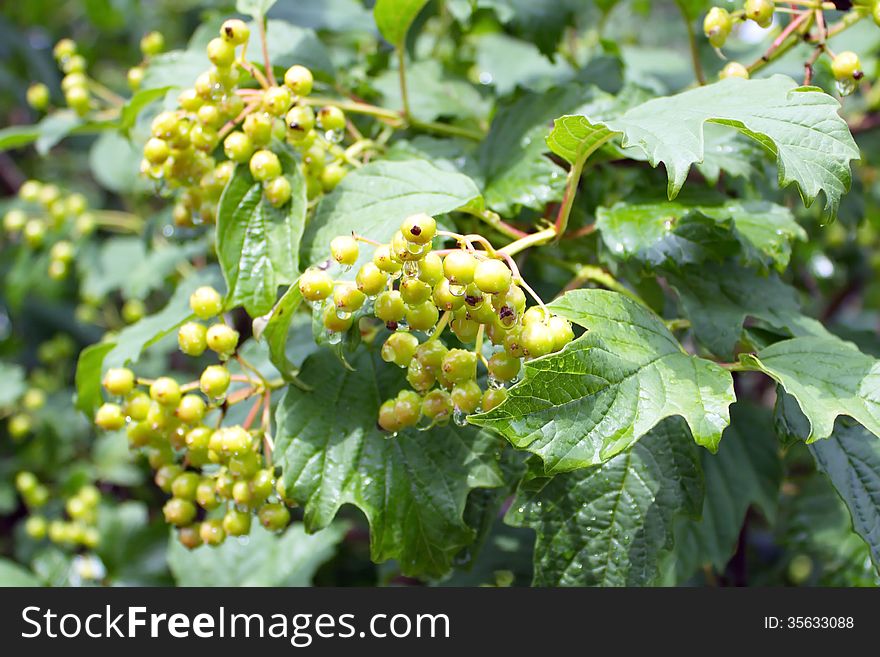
column 152, row 44
column 49, row 218
column 77, row 528
column 412, row 289
column 218, row 476
column 237, row 112
column 21, row 422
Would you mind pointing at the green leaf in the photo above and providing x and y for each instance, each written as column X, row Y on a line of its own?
column 828, row 377
column 16, row 136
column 717, row 298
column 114, row 460
column 746, row 471
column 609, row 525
column 374, row 200
column 176, row 69
column 800, row 126
column 254, row 8
column 275, row 328
column 850, row 458
column 412, row 487
column 257, row 243
column 289, row 44
column 115, row 163
column 393, row 18
column 609, row 387
column 129, row 113
column 132, row 548
column 126, row 346
column 12, row 574
column 728, row 151
column 266, row 559
column 433, row 93
column 12, row 383
column 656, row 231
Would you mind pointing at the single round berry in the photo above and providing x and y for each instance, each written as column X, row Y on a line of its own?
column 503, row 367
column 437, row 406
column 118, row 381
column 419, row 228
column 265, row 165
column 299, row 79
column 38, row 96
column 192, row 339
column 220, row 52
column 237, row 523
column 336, row 321
column 184, row 485
column 399, row 348
column 347, row 298
column 14, row 221
column 179, row 512
column 492, row 398
column 444, row 297
column 422, row 316
column 332, row 175
column 206, row 302
column 235, row 31
column 385, row 261
column 165, row 391
column 459, row 267
column 206, row 496
column 734, row 70
column 136, row 406
column 331, row 118
column 35, row 527
column 459, row 365
column 561, row 332
column 846, row 66
column 535, row 315
column 370, row 279
column 135, row 77
column 238, row 147
column 133, row 310
column 191, row 409
column 274, row 517
column 430, row 355
column 152, row 44
column 760, row 11
column 389, row 306
column 315, row 284
column 212, row 533
column 431, row 269
column 277, row 100
column 64, row 48
column 466, row 396
column 277, row 191
column 214, row 381
column 110, row 417
column 300, row 121
column 492, row 276
column 536, row 340
column 408, row 408
column 258, row 126
column 413, row 291
column 189, row 536
column 717, row 26
column 464, row 329
column 222, row 339
column 33, row 400
column 344, row 250
column 419, row 378
column 388, row 419
column 406, row 251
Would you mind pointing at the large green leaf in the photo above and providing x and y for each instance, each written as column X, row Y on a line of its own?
column 608, row 388
column 266, row 559
column 851, row 460
column 257, row 243
column 717, row 299
column 746, row 471
column 374, row 200
column 393, row 18
column 609, row 525
column 13, row 574
column 124, row 347
column 828, row 377
column 432, row 93
column 412, row 487
column 254, row 8
column 800, row 126
column 274, row 328
column 655, row 231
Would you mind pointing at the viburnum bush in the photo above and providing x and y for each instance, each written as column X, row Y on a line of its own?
column 410, row 283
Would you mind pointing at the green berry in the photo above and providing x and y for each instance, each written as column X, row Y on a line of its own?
column 561, row 332
column 238, row 147
column 274, row 517
column 166, row 475
column 184, row 485
column 222, row 339
column 34, row 399
column 760, row 11
column 444, row 298
column 300, row 120
column 277, row 191
column 466, row 396
column 413, row 291
column 64, row 48
column 118, row 381
column 236, row 523
column 192, row 339
column 459, row 365
column 74, row 64
column 399, row 348
column 459, row 267
column 347, row 298
column 387, row 419
column 212, row 533
column 35, row 527
column 408, row 408
column 191, row 409
column 14, row 221
column 152, row 44
column 189, row 536
column 299, row 79
column 78, row 99
column 384, row 260
column 535, row 315
column 389, row 306
column 431, row 269
column 536, row 340
column 492, row 398
column 165, row 391
column 370, row 279
column 156, row 150
column 203, row 137
column 265, row 165
column 277, row 100
column 38, row 96
column 331, row 118
column 206, row 496
column 717, row 26
column 464, row 329
column 332, row 175
column 110, row 417
column 315, row 284
column 335, row 320
column 734, row 70
column 419, row 228
column 220, row 52
column 492, row 276
column 423, row 316
column 214, row 381
column 430, row 355
column 133, row 310
column 235, row 31
column 135, row 77
column 846, row 66
column 419, row 378
column 136, row 406
column 258, row 126
column 437, row 406
column 344, row 250
column 503, row 367
column 404, row 250
column 21, row 424
column 206, row 302
column 26, row 482
column 179, row 512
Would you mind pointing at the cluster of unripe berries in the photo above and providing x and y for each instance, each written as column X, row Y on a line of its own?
column 413, row 289
column 221, row 117
column 49, row 217
column 78, row 528
column 719, row 22
column 21, row 423
column 217, row 477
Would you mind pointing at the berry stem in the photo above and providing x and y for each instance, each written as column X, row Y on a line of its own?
column 478, row 345
column 401, row 75
column 522, row 283
column 495, row 221
column 534, row 239
column 119, row 221
column 695, row 50
column 105, row 94
column 264, row 43
column 230, row 125
column 253, row 71
column 440, row 326
column 447, row 129
column 252, row 413
column 783, row 43
column 356, row 107
column 247, row 365
column 592, row 273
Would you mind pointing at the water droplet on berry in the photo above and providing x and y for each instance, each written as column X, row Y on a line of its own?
column 459, row 417
column 846, row 87
column 333, row 136
column 334, row 337
column 456, row 290
column 341, row 314
column 410, row 268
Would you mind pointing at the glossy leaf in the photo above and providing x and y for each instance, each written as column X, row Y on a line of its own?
column 393, row 18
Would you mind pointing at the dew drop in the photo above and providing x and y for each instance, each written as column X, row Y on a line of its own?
column 334, row 337
column 459, row 417
column 410, row 268
column 456, row 290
